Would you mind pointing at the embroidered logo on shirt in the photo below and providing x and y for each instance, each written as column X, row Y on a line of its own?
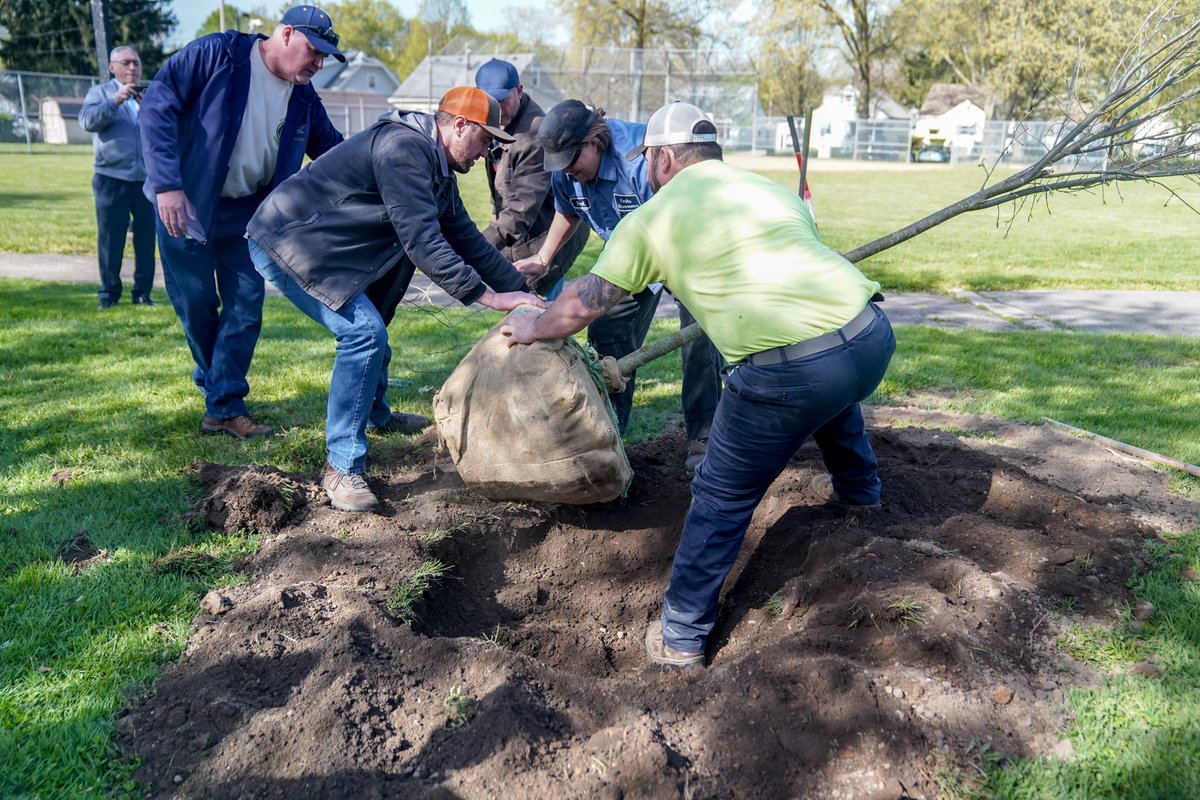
column 625, row 203
column 581, row 204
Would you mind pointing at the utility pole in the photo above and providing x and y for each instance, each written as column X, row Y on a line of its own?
column 100, row 26
column 222, row 16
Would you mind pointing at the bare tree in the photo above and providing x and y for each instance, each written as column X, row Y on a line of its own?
column 1143, row 127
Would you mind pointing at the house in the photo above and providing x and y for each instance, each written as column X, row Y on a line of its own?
column 834, row 122
column 355, row 93
column 362, row 73
column 422, row 90
column 953, row 115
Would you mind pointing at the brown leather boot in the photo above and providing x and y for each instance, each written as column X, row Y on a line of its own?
column 401, row 423
column 243, row 427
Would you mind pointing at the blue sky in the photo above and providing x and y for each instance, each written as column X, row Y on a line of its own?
column 486, row 15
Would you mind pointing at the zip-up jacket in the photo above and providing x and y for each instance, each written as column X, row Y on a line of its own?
column 191, row 114
column 384, row 198
column 115, row 140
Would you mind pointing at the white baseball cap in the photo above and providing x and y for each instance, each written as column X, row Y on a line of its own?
column 673, row 124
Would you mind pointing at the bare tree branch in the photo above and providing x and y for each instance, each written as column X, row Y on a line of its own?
column 1137, row 132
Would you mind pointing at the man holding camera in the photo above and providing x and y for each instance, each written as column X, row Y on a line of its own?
column 110, row 113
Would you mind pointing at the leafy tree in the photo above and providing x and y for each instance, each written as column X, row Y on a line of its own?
column 1023, row 55
column 57, row 35
column 640, row 23
column 794, row 34
column 237, row 19
column 789, row 81
column 373, row 26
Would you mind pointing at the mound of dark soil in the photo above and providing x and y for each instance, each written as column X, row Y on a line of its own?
column 856, row 655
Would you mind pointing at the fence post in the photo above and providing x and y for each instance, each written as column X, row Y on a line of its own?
column 24, row 113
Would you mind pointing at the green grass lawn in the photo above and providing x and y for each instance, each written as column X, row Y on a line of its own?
column 1131, row 237
column 100, row 419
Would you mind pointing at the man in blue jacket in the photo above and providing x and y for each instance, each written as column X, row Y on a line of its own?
column 342, row 238
column 110, row 113
column 227, row 119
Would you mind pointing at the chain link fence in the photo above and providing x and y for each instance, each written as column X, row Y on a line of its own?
column 629, row 84
column 40, row 107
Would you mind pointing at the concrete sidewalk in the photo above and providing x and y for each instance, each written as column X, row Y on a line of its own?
column 1165, row 313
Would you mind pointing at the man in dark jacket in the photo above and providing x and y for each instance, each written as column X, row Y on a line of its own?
column 227, row 119
column 110, row 113
column 522, row 205
column 342, row 238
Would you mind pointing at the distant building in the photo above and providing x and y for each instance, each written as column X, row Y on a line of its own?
column 835, row 120
column 362, row 73
column 355, row 93
column 952, row 115
column 422, row 90
column 60, row 121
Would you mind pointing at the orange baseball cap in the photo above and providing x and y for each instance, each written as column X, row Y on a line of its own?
column 477, row 106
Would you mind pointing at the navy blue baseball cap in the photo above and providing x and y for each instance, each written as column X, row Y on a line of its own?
column 497, row 78
column 561, row 133
column 317, row 27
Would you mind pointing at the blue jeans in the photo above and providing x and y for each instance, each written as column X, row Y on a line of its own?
column 764, row 415
column 358, row 386
column 118, row 203
column 219, row 298
column 701, row 390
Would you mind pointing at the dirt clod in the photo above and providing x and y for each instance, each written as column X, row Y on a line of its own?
column 848, row 651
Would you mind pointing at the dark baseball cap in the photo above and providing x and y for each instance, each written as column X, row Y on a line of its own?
column 317, row 27
column 498, row 78
column 562, row 132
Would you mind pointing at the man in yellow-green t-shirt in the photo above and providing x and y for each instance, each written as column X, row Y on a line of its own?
column 793, row 320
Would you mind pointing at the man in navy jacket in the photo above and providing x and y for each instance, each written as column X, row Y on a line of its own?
column 110, row 113
column 226, row 120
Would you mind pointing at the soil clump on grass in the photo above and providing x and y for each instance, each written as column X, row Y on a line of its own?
column 454, row 647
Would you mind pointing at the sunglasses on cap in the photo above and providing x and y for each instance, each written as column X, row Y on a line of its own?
column 327, row 34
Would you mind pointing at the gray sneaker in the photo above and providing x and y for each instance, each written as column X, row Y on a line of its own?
column 348, row 492
column 662, row 653
column 822, row 488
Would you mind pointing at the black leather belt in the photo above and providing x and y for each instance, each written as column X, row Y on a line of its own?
column 817, row 344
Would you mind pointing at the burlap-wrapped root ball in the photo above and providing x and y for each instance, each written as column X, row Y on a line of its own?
column 531, row 423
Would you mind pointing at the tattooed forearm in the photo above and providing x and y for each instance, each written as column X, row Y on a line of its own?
column 597, row 294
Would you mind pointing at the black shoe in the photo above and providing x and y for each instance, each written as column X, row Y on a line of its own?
column 144, row 301
column 401, row 423
column 105, row 303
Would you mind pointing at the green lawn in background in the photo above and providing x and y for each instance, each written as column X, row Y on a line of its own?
column 1132, row 236
column 100, row 418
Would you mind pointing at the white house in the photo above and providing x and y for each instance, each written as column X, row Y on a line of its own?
column 833, row 122
column 362, row 73
column 953, row 115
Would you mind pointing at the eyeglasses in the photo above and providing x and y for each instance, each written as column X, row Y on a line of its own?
column 578, row 153
column 327, row 34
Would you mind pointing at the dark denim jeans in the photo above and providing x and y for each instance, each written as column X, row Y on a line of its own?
column 764, row 415
column 218, row 297
column 118, row 203
column 702, row 364
column 358, row 386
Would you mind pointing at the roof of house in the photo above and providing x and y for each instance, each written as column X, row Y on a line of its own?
column 944, row 96
column 335, row 75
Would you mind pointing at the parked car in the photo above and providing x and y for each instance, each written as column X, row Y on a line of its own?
column 933, row 154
